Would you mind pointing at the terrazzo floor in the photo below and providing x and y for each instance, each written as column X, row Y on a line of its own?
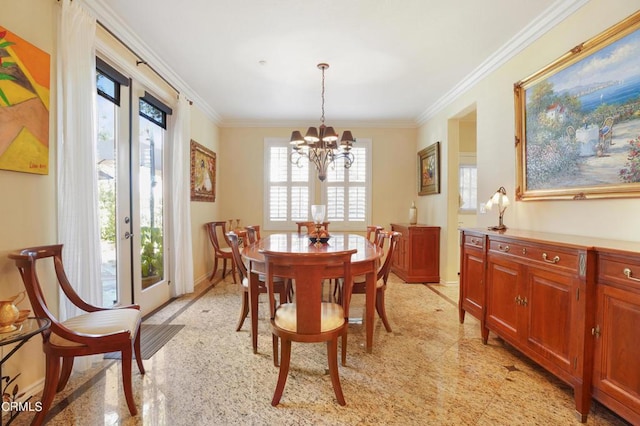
column 431, row 370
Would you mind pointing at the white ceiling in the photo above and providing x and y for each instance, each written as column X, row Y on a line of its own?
column 391, row 61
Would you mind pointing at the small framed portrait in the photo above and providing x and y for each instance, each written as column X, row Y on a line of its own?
column 429, row 170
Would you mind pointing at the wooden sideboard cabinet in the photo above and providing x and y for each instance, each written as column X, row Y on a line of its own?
column 616, row 374
column 537, row 293
column 571, row 304
column 417, row 255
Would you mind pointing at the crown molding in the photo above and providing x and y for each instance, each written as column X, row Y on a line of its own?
column 383, row 124
column 552, row 16
column 106, row 17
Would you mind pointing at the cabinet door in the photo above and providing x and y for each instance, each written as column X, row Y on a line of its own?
column 550, row 311
column 617, row 350
column 503, row 290
column 424, row 251
column 471, row 285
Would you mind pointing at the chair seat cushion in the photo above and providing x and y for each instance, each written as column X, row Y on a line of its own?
column 332, row 316
column 98, row 323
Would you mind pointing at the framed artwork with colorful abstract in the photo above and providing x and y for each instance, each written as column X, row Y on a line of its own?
column 24, row 105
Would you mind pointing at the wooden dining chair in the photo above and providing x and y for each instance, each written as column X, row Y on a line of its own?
column 98, row 331
column 251, row 306
column 253, row 233
column 309, row 319
column 219, row 251
column 360, row 283
column 373, row 231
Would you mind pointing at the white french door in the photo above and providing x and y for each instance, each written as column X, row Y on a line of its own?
column 131, row 160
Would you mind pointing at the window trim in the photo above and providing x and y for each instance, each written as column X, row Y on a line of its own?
column 467, row 159
column 347, row 225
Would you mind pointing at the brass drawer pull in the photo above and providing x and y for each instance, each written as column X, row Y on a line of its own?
column 504, row 248
column 555, row 259
column 627, row 273
column 475, row 241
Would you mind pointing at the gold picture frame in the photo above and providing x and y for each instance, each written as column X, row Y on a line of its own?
column 203, row 173
column 577, row 121
column 429, row 170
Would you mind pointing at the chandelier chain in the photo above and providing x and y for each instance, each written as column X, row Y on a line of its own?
column 322, row 118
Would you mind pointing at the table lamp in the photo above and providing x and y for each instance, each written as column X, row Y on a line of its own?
column 502, row 201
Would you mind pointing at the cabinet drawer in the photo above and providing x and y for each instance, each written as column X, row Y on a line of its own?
column 619, row 270
column 550, row 256
column 473, row 241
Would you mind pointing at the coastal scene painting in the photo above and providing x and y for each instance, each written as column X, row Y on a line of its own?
column 24, row 105
column 580, row 122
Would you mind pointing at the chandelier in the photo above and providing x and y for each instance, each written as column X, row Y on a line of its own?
column 320, row 145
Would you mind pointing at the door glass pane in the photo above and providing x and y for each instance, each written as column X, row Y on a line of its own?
column 106, row 153
column 151, row 202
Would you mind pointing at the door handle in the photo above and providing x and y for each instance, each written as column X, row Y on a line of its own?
column 127, row 235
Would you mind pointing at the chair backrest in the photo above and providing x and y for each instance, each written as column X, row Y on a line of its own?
column 393, row 237
column 310, row 226
column 232, row 237
column 25, row 261
column 253, row 233
column 373, row 231
column 309, row 270
column 212, row 231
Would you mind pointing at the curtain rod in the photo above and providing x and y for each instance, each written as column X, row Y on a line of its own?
column 140, row 61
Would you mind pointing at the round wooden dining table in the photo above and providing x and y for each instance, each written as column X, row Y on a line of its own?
column 365, row 261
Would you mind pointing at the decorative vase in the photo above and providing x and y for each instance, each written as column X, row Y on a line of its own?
column 413, row 214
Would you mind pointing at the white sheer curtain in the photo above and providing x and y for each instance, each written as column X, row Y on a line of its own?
column 181, row 255
column 78, row 225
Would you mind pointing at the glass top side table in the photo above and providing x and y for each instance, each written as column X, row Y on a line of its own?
column 25, row 331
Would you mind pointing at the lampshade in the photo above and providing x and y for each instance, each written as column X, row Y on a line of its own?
column 312, row 135
column 296, row 138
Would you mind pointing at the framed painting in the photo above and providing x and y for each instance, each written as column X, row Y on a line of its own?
column 429, row 170
column 24, row 105
column 578, row 121
column 203, row 173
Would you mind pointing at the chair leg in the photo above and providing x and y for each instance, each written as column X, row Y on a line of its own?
column 253, row 308
column 274, row 341
column 381, row 309
column 215, row 268
column 224, row 267
column 284, row 371
column 50, row 385
column 332, row 357
column 67, row 366
column 126, row 356
column 136, row 350
column 344, row 347
column 244, row 309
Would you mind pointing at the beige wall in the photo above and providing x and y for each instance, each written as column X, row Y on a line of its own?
column 28, row 206
column 242, row 169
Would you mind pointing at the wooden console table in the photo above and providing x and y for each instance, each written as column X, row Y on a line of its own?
column 569, row 303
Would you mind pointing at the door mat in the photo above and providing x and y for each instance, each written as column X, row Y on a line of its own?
column 152, row 338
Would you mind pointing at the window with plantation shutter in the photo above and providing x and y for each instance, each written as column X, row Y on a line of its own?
column 347, row 192
column 288, row 188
